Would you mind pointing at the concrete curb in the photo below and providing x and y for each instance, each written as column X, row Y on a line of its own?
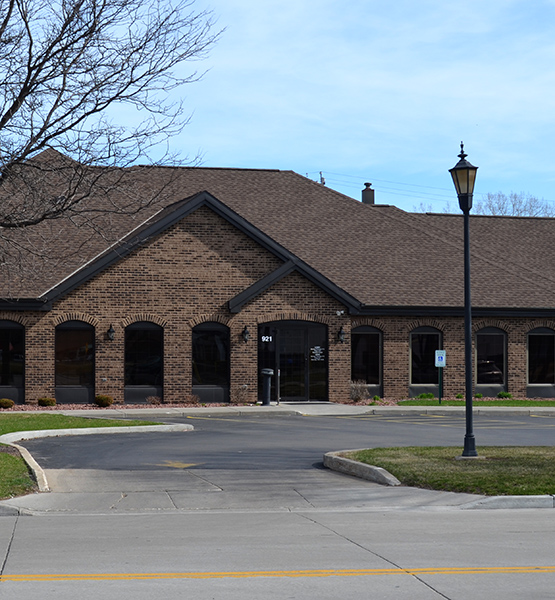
column 321, row 409
column 10, row 439
column 511, row 502
column 337, row 462
column 16, row 436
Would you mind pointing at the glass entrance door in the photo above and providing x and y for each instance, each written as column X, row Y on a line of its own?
column 297, row 353
column 292, row 364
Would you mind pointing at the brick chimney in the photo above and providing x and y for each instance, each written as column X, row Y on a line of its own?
column 368, row 194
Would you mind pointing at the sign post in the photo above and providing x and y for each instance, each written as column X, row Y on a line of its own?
column 440, row 363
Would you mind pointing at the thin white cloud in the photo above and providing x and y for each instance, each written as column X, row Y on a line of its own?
column 386, row 88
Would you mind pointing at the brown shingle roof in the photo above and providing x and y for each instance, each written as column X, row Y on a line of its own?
column 380, row 255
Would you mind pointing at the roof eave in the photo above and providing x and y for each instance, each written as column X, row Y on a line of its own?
column 456, row 311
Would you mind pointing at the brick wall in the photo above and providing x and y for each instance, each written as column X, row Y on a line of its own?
column 187, row 275
column 179, row 279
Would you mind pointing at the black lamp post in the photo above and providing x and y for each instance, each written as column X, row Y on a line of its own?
column 464, row 176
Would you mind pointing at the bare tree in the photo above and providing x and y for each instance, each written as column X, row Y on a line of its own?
column 516, row 205
column 68, row 68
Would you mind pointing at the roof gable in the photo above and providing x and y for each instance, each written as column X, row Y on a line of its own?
column 174, row 213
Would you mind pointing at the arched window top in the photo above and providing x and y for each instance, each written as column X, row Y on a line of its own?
column 6, row 324
column 366, row 329
column 211, row 326
column 490, row 330
column 426, row 329
column 74, row 325
column 143, row 325
column 542, row 330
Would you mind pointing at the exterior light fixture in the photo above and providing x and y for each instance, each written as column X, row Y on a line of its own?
column 111, row 333
column 246, row 334
column 341, row 335
column 464, row 177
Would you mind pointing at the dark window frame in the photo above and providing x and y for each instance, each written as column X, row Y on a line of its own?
column 207, row 375
column 79, row 372
column 549, row 334
column 431, row 374
column 10, row 346
column 137, row 357
column 487, row 367
column 361, row 332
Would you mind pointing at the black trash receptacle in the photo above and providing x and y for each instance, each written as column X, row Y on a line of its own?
column 267, row 375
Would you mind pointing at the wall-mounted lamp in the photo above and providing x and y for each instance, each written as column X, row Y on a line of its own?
column 341, row 335
column 246, row 334
column 111, row 333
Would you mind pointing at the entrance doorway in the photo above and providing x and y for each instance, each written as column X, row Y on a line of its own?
column 297, row 351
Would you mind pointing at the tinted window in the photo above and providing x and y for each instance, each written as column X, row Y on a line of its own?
column 490, row 357
column 144, row 354
column 365, row 356
column 211, row 355
column 541, row 358
column 423, row 347
column 12, row 353
column 75, row 354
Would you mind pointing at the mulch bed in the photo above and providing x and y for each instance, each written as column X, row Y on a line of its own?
column 64, row 407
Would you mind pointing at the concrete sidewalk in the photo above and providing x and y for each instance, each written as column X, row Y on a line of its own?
column 321, row 409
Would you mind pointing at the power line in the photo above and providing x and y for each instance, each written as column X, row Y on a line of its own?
column 419, row 193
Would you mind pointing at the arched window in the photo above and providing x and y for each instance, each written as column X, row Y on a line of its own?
column 211, row 362
column 74, row 371
column 144, row 354
column 541, row 356
column 366, row 355
column 424, row 341
column 12, row 360
column 491, row 344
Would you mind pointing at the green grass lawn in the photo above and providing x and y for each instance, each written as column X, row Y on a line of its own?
column 36, row 421
column 532, row 403
column 15, row 478
column 498, row 471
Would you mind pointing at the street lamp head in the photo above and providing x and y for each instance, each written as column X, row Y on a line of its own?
column 464, row 177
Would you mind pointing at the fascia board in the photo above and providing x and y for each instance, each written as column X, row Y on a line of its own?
column 455, row 311
column 25, row 304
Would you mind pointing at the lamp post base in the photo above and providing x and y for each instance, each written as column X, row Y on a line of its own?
column 469, row 446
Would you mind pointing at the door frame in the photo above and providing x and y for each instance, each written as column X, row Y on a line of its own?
column 269, row 356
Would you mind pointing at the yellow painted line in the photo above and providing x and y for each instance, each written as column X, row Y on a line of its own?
column 174, row 464
column 213, row 419
column 305, row 573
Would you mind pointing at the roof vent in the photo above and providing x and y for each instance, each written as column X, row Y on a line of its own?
column 368, row 194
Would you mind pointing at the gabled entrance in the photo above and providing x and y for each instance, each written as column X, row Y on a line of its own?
column 297, row 351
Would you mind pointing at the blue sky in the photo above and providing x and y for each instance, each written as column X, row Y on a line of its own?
column 368, row 90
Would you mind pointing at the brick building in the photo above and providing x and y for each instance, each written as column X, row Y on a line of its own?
column 230, row 271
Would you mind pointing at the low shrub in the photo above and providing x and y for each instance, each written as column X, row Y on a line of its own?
column 478, row 395
column 6, row 403
column 459, row 396
column 239, row 395
column 359, row 391
column 46, row 401
column 192, row 399
column 504, row 395
column 425, row 396
column 103, row 401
